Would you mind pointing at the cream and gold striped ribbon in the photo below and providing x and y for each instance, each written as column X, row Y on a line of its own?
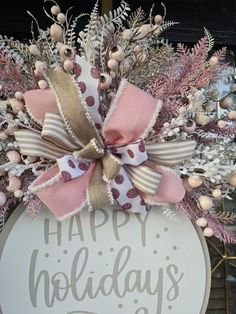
column 54, row 141
column 170, row 153
column 54, row 131
column 32, row 144
column 144, row 178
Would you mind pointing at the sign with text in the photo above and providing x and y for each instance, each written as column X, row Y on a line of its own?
column 102, row 262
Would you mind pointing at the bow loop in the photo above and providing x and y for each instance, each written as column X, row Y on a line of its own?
column 54, row 131
column 73, row 108
column 170, row 153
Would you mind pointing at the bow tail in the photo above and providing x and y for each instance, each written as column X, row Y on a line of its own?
column 169, row 190
column 126, row 194
column 156, row 184
column 160, row 184
column 144, row 178
column 64, row 198
column 98, row 193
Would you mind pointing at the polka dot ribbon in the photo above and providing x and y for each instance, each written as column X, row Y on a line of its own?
column 87, row 78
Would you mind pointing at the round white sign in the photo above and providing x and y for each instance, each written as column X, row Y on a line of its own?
column 102, row 262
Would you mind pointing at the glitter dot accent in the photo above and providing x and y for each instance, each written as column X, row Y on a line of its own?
column 58, row 260
column 158, row 236
column 46, row 255
column 83, row 166
column 132, row 193
column 167, row 258
column 120, row 306
column 165, row 229
column 71, row 164
column 82, row 87
column 100, row 253
column 130, row 153
column 94, row 73
column 65, row 251
column 119, row 179
column 135, row 301
column 111, row 249
column 77, row 69
column 127, row 206
column 169, row 307
column 141, row 147
column 154, row 251
column 90, row 100
column 174, row 247
column 66, row 176
column 115, row 193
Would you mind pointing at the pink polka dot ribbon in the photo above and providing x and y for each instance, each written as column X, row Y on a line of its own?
column 126, row 194
column 87, row 78
column 132, row 154
column 72, row 168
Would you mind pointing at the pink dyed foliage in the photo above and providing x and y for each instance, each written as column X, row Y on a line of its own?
column 217, row 221
column 34, row 206
column 188, row 70
column 9, row 205
column 213, row 129
column 12, row 75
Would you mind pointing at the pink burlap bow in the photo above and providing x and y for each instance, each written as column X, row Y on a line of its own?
column 99, row 163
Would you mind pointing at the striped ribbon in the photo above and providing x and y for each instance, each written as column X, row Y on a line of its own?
column 32, row 144
column 170, row 153
column 144, row 178
column 54, row 131
column 53, row 142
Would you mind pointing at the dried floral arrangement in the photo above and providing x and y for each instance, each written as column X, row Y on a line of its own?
column 147, row 129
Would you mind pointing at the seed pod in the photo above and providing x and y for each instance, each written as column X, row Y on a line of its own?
column 14, row 184
column 55, row 10
column 66, row 52
column 205, row 202
column 56, row 32
column 68, row 65
column 61, row 18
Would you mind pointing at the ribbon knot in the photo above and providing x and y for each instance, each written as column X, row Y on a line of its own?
column 95, row 168
column 80, row 160
column 112, row 158
column 91, row 151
